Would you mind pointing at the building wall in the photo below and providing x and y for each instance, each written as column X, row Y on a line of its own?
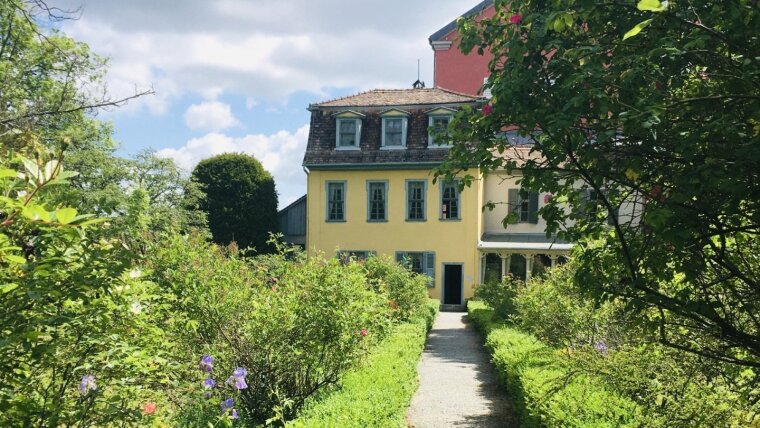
column 496, row 189
column 452, row 241
column 459, row 72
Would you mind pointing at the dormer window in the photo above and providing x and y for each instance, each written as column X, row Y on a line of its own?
column 394, row 129
column 438, row 123
column 348, row 130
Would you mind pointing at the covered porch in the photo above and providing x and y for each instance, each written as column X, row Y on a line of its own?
column 521, row 254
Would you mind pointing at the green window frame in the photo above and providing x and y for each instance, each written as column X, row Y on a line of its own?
column 437, row 127
column 524, row 206
column 451, row 206
column 416, row 191
column 336, row 201
column 420, row 262
column 394, row 132
column 377, row 201
column 348, row 133
column 345, row 256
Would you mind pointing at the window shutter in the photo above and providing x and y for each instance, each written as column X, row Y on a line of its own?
column 430, row 267
column 533, row 208
column 514, row 200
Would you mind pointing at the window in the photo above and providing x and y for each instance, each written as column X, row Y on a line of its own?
column 523, row 206
column 449, row 200
column 492, row 273
column 377, row 200
column 347, row 255
column 415, row 200
column 422, row 263
column 348, row 133
column 437, row 131
column 336, row 201
column 394, row 132
column 591, row 204
column 518, row 266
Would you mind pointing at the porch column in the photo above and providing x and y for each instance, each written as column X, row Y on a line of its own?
column 482, row 268
column 528, row 265
column 554, row 259
column 504, row 266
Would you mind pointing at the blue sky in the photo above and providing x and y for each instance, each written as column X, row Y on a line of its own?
column 238, row 75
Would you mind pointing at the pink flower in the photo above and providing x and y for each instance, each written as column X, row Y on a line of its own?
column 547, row 198
column 487, row 110
column 149, row 408
column 363, row 332
column 515, row 19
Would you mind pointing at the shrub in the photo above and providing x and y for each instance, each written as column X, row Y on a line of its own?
column 296, row 325
column 546, row 390
column 500, row 296
column 378, row 392
column 407, row 291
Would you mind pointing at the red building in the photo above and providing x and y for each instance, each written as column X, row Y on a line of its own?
column 454, row 70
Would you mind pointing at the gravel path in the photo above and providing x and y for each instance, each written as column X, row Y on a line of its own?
column 458, row 385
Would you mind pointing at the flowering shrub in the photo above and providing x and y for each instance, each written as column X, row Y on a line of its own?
column 406, row 291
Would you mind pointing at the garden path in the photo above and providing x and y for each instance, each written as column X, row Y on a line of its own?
column 458, row 384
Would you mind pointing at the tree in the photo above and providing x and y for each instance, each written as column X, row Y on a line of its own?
column 645, row 103
column 239, row 199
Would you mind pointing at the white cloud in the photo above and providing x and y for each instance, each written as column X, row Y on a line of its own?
column 260, row 50
column 280, row 153
column 210, row 116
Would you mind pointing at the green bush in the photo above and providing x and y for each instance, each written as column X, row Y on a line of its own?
column 378, row 392
column 545, row 388
column 239, row 199
column 407, row 291
column 500, row 296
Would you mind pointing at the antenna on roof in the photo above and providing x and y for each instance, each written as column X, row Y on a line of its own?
column 418, row 84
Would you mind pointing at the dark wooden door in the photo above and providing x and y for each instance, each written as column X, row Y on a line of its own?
column 452, row 284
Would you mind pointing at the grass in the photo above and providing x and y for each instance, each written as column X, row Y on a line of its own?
column 545, row 390
column 378, row 392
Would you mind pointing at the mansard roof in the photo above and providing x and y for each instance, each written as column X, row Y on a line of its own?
column 397, row 98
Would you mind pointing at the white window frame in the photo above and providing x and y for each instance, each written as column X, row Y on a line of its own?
column 424, row 200
column 343, row 184
column 369, row 201
column 431, row 119
column 357, row 133
column 455, row 183
column 404, row 122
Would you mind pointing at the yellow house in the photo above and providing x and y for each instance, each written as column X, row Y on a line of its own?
column 370, row 190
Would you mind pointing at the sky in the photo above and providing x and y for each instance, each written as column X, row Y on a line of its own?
column 238, row 75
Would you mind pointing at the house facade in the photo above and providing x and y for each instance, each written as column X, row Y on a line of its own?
column 370, row 160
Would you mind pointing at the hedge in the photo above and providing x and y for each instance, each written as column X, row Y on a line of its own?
column 545, row 390
column 378, row 392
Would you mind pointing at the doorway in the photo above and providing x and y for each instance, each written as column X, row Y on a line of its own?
column 452, row 284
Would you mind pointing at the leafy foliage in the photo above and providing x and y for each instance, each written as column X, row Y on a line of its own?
column 239, row 198
column 377, row 393
column 663, row 126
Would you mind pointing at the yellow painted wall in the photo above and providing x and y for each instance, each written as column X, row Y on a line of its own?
column 452, row 241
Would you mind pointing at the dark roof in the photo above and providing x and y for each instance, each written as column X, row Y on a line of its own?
column 534, row 238
column 399, row 97
column 443, row 32
column 292, row 204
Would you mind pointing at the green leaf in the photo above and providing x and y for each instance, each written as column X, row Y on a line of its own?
column 4, row 173
column 7, row 288
column 637, row 29
column 652, row 5
column 14, row 259
column 65, row 215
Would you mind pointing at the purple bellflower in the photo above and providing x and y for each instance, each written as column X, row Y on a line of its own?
column 238, row 378
column 87, row 384
column 209, row 383
column 207, row 363
column 227, row 404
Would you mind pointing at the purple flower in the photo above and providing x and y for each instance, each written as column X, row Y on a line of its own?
column 227, row 404
column 234, row 414
column 209, row 383
column 87, row 384
column 601, row 347
column 238, row 378
column 207, row 363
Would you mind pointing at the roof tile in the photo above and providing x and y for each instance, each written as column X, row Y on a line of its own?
column 399, row 97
